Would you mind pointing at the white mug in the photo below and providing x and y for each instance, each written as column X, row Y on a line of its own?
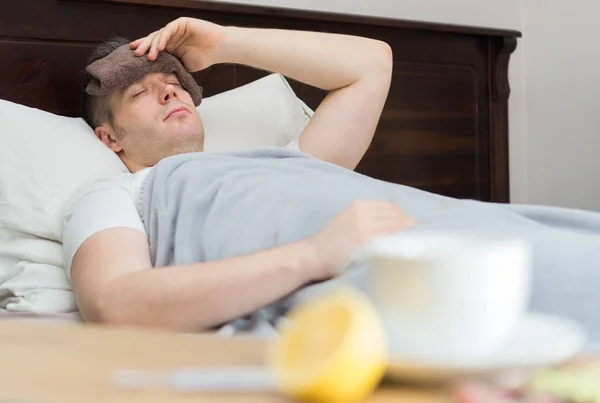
column 448, row 297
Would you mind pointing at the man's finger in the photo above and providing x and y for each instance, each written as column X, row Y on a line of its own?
column 165, row 37
column 171, row 36
column 135, row 43
column 388, row 209
column 145, row 45
column 153, row 50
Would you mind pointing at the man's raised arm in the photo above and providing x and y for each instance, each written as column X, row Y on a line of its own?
column 357, row 72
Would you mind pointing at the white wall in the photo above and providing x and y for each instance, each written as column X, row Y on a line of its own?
column 562, row 100
column 492, row 13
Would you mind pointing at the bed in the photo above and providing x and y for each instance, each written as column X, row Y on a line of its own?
column 444, row 128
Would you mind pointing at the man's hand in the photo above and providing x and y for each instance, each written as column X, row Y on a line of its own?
column 356, row 225
column 195, row 42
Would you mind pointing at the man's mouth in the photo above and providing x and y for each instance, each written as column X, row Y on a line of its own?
column 180, row 111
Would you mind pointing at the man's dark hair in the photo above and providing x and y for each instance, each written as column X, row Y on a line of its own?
column 96, row 110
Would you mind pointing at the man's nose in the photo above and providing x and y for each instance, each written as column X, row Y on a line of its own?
column 169, row 93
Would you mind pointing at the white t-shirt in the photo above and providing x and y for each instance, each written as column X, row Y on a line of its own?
column 109, row 203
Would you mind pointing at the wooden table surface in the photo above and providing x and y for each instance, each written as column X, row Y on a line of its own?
column 61, row 363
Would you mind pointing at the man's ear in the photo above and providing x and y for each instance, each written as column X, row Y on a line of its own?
column 104, row 133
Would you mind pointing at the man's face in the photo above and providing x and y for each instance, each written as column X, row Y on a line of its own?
column 153, row 119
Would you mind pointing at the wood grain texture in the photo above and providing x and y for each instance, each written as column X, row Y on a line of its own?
column 444, row 127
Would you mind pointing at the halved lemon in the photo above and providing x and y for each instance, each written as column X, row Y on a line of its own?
column 334, row 349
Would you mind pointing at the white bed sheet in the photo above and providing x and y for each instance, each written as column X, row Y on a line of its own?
column 73, row 317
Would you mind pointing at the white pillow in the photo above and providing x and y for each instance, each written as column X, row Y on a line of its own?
column 264, row 112
column 46, row 160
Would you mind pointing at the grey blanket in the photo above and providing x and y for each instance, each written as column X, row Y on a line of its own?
column 203, row 207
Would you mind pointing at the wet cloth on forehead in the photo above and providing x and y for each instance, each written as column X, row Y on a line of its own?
column 122, row 68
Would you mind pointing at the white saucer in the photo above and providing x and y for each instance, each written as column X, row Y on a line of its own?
column 539, row 340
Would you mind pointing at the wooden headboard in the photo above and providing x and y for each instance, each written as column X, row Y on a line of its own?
column 444, row 128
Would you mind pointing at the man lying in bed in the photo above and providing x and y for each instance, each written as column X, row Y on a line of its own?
column 231, row 235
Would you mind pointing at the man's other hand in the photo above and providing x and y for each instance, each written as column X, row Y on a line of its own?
column 355, row 226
